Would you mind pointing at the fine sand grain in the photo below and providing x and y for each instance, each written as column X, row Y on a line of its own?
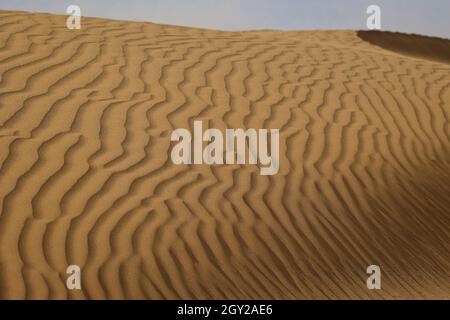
column 86, row 176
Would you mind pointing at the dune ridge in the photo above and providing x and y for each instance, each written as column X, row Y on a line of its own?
column 86, row 176
column 429, row 48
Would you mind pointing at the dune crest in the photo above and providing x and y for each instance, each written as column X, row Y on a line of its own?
column 428, row 48
column 86, row 177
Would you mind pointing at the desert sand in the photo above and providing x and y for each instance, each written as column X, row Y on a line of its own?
column 86, row 177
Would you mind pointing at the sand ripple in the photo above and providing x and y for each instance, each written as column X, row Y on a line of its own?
column 86, row 178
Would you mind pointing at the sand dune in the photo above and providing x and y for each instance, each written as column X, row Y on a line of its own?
column 428, row 48
column 86, row 177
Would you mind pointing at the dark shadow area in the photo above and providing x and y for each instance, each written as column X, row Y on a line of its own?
column 424, row 47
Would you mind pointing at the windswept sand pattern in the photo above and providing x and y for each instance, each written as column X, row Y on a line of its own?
column 86, row 176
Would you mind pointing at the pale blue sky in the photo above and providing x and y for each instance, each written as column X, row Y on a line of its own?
column 429, row 17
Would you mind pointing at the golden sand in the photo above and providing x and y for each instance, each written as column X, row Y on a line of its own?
column 86, row 177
